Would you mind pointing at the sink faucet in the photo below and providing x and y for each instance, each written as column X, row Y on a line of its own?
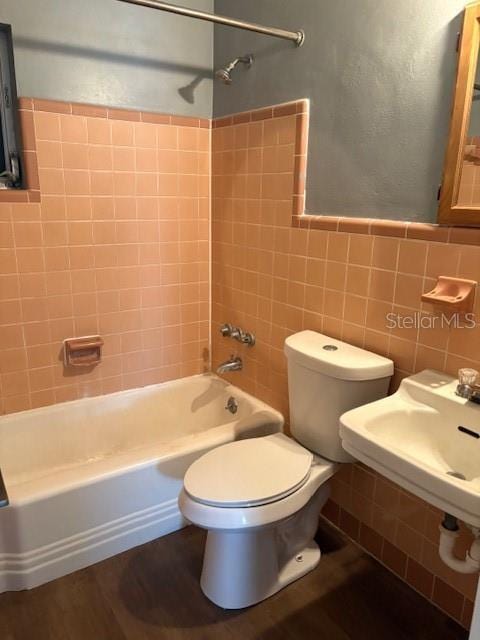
column 467, row 387
column 233, row 364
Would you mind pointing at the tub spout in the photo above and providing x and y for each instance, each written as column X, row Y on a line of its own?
column 234, row 364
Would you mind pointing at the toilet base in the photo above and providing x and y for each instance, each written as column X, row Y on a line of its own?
column 241, row 568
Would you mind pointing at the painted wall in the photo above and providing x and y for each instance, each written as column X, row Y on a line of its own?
column 110, row 53
column 380, row 77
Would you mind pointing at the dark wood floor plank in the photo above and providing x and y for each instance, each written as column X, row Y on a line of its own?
column 153, row 593
column 70, row 608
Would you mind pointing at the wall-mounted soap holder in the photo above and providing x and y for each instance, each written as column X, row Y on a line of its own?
column 82, row 352
column 452, row 293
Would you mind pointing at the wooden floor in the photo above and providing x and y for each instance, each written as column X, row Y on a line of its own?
column 152, row 592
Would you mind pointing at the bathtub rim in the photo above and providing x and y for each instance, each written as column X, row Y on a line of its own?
column 124, row 393
column 88, row 473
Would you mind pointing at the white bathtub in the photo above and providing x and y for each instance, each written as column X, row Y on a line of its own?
column 94, row 477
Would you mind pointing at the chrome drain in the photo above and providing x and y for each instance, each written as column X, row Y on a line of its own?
column 456, row 474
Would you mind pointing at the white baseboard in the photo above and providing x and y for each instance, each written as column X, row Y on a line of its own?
column 30, row 569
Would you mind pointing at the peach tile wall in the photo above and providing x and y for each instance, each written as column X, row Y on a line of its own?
column 275, row 275
column 117, row 245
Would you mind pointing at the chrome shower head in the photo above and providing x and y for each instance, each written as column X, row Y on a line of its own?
column 225, row 73
column 224, row 76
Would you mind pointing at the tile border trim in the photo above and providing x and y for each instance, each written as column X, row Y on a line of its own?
column 389, row 228
column 295, row 107
column 111, row 113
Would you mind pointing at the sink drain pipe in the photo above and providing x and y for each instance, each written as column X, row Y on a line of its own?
column 449, row 533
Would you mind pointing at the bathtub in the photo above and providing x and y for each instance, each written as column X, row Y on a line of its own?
column 91, row 478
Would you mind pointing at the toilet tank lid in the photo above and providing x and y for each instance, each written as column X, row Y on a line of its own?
column 335, row 358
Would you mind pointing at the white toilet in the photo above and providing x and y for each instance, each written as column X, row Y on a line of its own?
column 260, row 499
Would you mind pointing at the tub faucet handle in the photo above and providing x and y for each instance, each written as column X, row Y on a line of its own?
column 229, row 331
column 226, row 330
column 235, row 332
column 246, row 338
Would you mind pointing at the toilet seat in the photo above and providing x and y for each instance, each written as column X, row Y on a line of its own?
column 215, row 518
column 249, row 473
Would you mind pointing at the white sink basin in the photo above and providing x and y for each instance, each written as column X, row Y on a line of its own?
column 413, row 438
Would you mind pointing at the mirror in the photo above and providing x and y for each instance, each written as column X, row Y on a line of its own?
column 460, row 191
column 469, row 189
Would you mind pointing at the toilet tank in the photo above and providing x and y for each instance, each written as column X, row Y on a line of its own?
column 327, row 377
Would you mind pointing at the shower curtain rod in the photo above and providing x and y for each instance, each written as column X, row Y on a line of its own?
column 298, row 37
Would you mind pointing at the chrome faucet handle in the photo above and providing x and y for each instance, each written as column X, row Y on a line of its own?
column 246, row 338
column 229, row 331
column 467, row 376
column 236, row 333
column 466, row 383
column 226, row 330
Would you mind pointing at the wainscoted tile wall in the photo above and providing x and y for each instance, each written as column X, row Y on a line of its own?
column 275, row 275
column 112, row 236
column 117, row 244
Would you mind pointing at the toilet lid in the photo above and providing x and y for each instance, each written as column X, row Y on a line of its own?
column 249, row 473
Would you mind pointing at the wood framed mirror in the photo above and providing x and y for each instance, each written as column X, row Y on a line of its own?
column 460, row 190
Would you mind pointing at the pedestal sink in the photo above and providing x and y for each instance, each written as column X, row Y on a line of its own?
column 426, row 439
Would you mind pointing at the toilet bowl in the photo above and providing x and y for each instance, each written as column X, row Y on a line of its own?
column 260, row 499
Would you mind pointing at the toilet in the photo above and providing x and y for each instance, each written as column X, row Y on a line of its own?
column 260, row 498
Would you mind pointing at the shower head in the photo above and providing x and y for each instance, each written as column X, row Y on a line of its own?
column 225, row 73
column 224, row 76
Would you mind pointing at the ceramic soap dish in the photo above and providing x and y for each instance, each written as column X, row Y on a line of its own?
column 453, row 293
